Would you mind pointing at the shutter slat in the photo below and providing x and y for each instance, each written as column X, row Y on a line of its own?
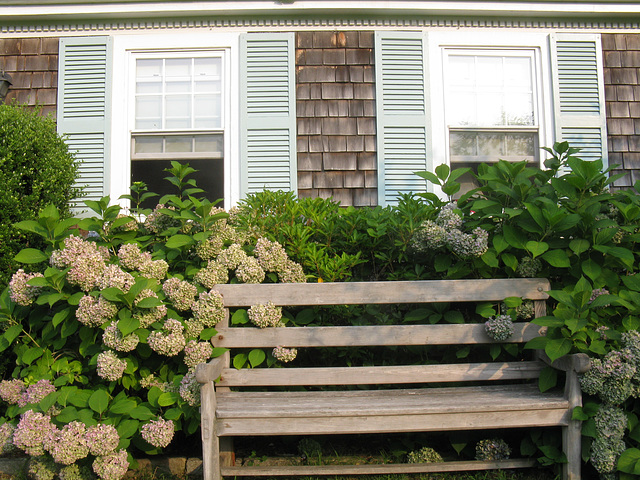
column 268, row 112
column 401, row 114
column 83, row 110
column 579, row 94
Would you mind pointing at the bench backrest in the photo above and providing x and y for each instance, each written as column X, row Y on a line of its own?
column 367, row 293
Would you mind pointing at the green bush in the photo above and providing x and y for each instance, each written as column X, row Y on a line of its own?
column 36, row 169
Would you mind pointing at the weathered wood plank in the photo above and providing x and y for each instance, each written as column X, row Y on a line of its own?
column 392, row 423
column 399, row 374
column 402, row 468
column 362, row 293
column 363, row 335
column 386, row 402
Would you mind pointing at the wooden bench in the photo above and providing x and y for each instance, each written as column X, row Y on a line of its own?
column 500, row 395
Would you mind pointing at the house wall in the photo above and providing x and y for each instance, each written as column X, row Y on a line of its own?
column 621, row 55
column 33, row 66
column 336, row 106
column 335, row 97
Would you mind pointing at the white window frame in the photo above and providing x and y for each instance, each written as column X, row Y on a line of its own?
column 439, row 43
column 127, row 48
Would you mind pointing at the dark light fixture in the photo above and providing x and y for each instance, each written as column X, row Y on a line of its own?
column 5, row 83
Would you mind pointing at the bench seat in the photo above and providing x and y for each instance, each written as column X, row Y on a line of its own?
column 384, row 411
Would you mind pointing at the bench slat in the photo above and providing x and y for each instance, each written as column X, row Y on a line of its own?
column 392, row 423
column 401, row 468
column 380, row 335
column 363, row 293
column 233, row 405
column 398, row 374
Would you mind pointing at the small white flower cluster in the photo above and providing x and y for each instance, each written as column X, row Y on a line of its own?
column 265, row 315
column 170, row 341
column 19, row 291
column 209, row 308
column 446, row 231
column 492, row 449
column 110, row 367
column 500, row 327
column 93, row 311
column 283, row 354
column 606, row 448
column 180, row 292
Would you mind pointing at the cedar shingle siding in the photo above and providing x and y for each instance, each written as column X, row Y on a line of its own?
column 621, row 54
column 336, row 116
column 33, row 66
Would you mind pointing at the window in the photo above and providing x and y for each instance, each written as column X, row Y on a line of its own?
column 179, row 115
column 491, row 107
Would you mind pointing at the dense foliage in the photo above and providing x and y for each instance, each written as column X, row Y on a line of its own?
column 36, row 169
column 106, row 330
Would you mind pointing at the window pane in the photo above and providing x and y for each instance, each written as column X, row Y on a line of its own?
column 178, row 67
column 490, row 111
column 517, row 72
column 490, row 144
column 461, row 109
column 150, row 144
column 462, row 143
column 462, row 71
column 149, row 112
column 520, row 109
column 209, row 143
column 489, row 72
column 149, row 67
column 521, row 144
column 179, row 144
column 178, row 111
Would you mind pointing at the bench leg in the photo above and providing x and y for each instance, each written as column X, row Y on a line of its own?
column 210, row 441
column 227, row 455
column 572, row 445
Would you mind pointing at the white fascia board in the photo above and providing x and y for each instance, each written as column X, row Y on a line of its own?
column 91, row 10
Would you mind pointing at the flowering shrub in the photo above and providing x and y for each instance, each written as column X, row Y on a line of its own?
column 520, row 222
column 108, row 329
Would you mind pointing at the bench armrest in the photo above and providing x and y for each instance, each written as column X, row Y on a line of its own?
column 209, row 372
column 575, row 362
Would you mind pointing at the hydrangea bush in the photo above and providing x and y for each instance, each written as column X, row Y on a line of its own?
column 107, row 329
column 115, row 321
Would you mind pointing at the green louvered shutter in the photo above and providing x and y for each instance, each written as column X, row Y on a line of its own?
column 402, row 105
column 579, row 93
column 83, row 109
column 268, row 116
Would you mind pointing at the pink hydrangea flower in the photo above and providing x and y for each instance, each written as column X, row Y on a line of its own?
column 197, row 352
column 111, row 467
column 209, row 309
column 31, row 431
column 11, row 390
column 19, row 291
column 36, row 392
column 102, row 439
column 110, row 367
column 158, row 433
column 68, row 444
